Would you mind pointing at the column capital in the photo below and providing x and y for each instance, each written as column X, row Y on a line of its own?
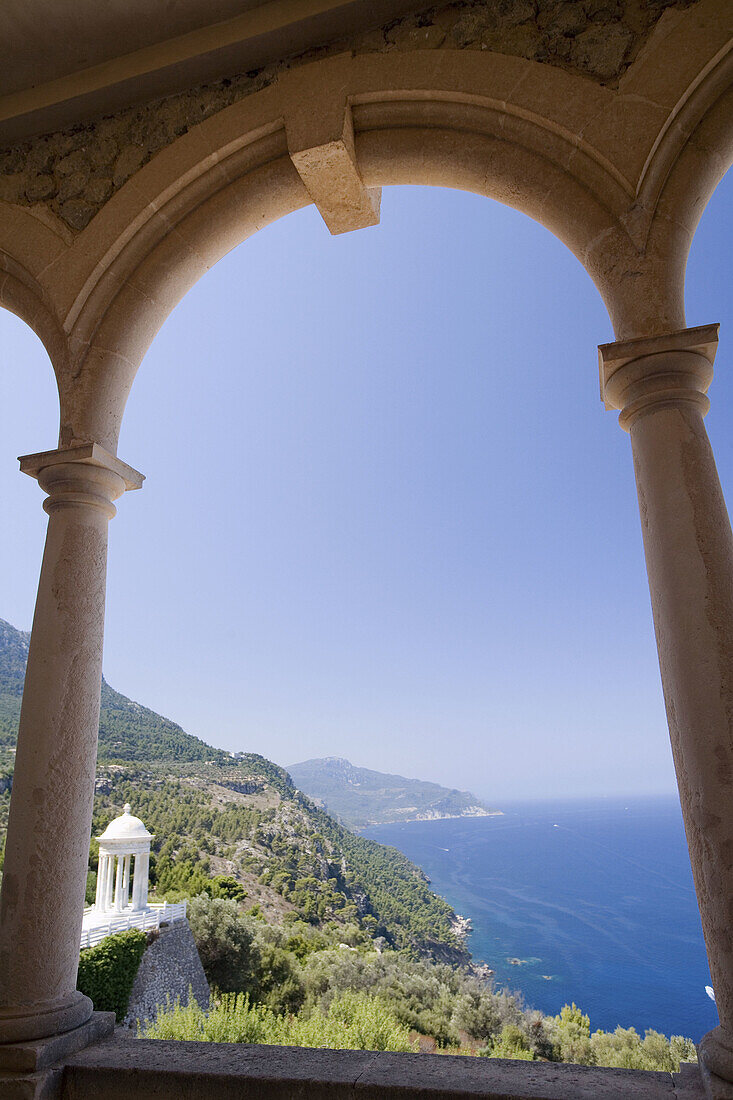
column 83, row 474
column 89, row 454
column 653, row 372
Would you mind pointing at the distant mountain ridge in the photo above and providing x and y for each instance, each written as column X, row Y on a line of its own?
column 360, row 797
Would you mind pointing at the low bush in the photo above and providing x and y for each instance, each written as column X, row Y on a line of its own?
column 353, row 1022
column 511, row 1043
column 623, row 1048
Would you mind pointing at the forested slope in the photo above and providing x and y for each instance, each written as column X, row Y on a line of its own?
column 214, row 814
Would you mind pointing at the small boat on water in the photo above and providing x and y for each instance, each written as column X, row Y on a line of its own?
column 710, row 992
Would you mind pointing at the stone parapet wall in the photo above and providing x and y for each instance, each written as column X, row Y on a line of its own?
column 169, row 969
column 73, row 172
column 120, row 1070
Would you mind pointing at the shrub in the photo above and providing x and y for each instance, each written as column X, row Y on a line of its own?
column 232, row 1019
column 107, row 971
column 353, row 1022
column 572, row 1036
column 625, row 1048
column 476, row 1013
column 225, row 944
column 512, row 1043
column 276, row 981
column 225, row 886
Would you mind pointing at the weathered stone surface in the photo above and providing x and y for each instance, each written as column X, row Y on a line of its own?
column 73, row 164
column 169, row 969
column 689, row 1082
column 598, row 38
column 77, row 213
column 71, row 186
column 128, row 162
column 39, row 1054
column 601, row 50
column 34, row 1070
column 188, row 1070
column 40, row 186
column 98, row 190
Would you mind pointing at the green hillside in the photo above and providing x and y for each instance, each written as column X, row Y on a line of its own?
column 127, row 730
column 13, row 656
column 359, row 797
column 214, row 814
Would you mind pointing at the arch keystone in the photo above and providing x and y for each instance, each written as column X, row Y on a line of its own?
column 320, row 141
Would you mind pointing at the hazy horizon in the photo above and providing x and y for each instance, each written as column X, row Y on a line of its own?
column 386, row 516
column 487, row 797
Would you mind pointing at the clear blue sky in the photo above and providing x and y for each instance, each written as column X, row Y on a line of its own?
column 386, row 515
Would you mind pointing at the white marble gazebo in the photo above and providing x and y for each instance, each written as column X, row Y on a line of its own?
column 117, row 907
column 123, row 838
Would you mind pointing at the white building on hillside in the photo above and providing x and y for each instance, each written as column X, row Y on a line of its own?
column 122, row 886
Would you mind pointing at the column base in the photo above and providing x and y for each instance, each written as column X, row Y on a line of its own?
column 23, row 1024
column 715, row 1052
column 34, row 1070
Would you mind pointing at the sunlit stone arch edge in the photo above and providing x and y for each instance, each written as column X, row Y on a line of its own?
column 541, row 140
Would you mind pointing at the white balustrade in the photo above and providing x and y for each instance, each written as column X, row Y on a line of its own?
column 147, row 920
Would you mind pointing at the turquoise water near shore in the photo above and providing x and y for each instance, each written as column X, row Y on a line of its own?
column 593, row 900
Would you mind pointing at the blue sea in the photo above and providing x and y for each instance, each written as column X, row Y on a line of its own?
column 591, row 902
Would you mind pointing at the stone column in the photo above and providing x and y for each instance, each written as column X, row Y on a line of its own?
column 101, row 871
column 102, row 884
column 136, row 882
column 109, row 904
column 142, row 865
column 108, row 872
column 49, row 826
column 126, row 882
column 659, row 384
column 118, row 883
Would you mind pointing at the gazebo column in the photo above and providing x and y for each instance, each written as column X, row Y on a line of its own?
column 136, row 883
column 119, row 878
column 109, row 875
column 126, row 882
column 140, row 880
column 659, row 384
column 101, row 870
column 47, row 847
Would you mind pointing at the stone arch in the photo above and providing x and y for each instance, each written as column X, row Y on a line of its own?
column 548, row 142
column 701, row 163
column 21, row 291
column 233, row 174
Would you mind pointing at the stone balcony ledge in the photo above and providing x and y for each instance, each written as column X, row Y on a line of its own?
column 126, row 1069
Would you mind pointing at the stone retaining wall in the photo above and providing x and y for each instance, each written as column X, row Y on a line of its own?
column 169, row 968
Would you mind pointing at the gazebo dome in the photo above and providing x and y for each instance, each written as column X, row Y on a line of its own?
column 126, row 827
